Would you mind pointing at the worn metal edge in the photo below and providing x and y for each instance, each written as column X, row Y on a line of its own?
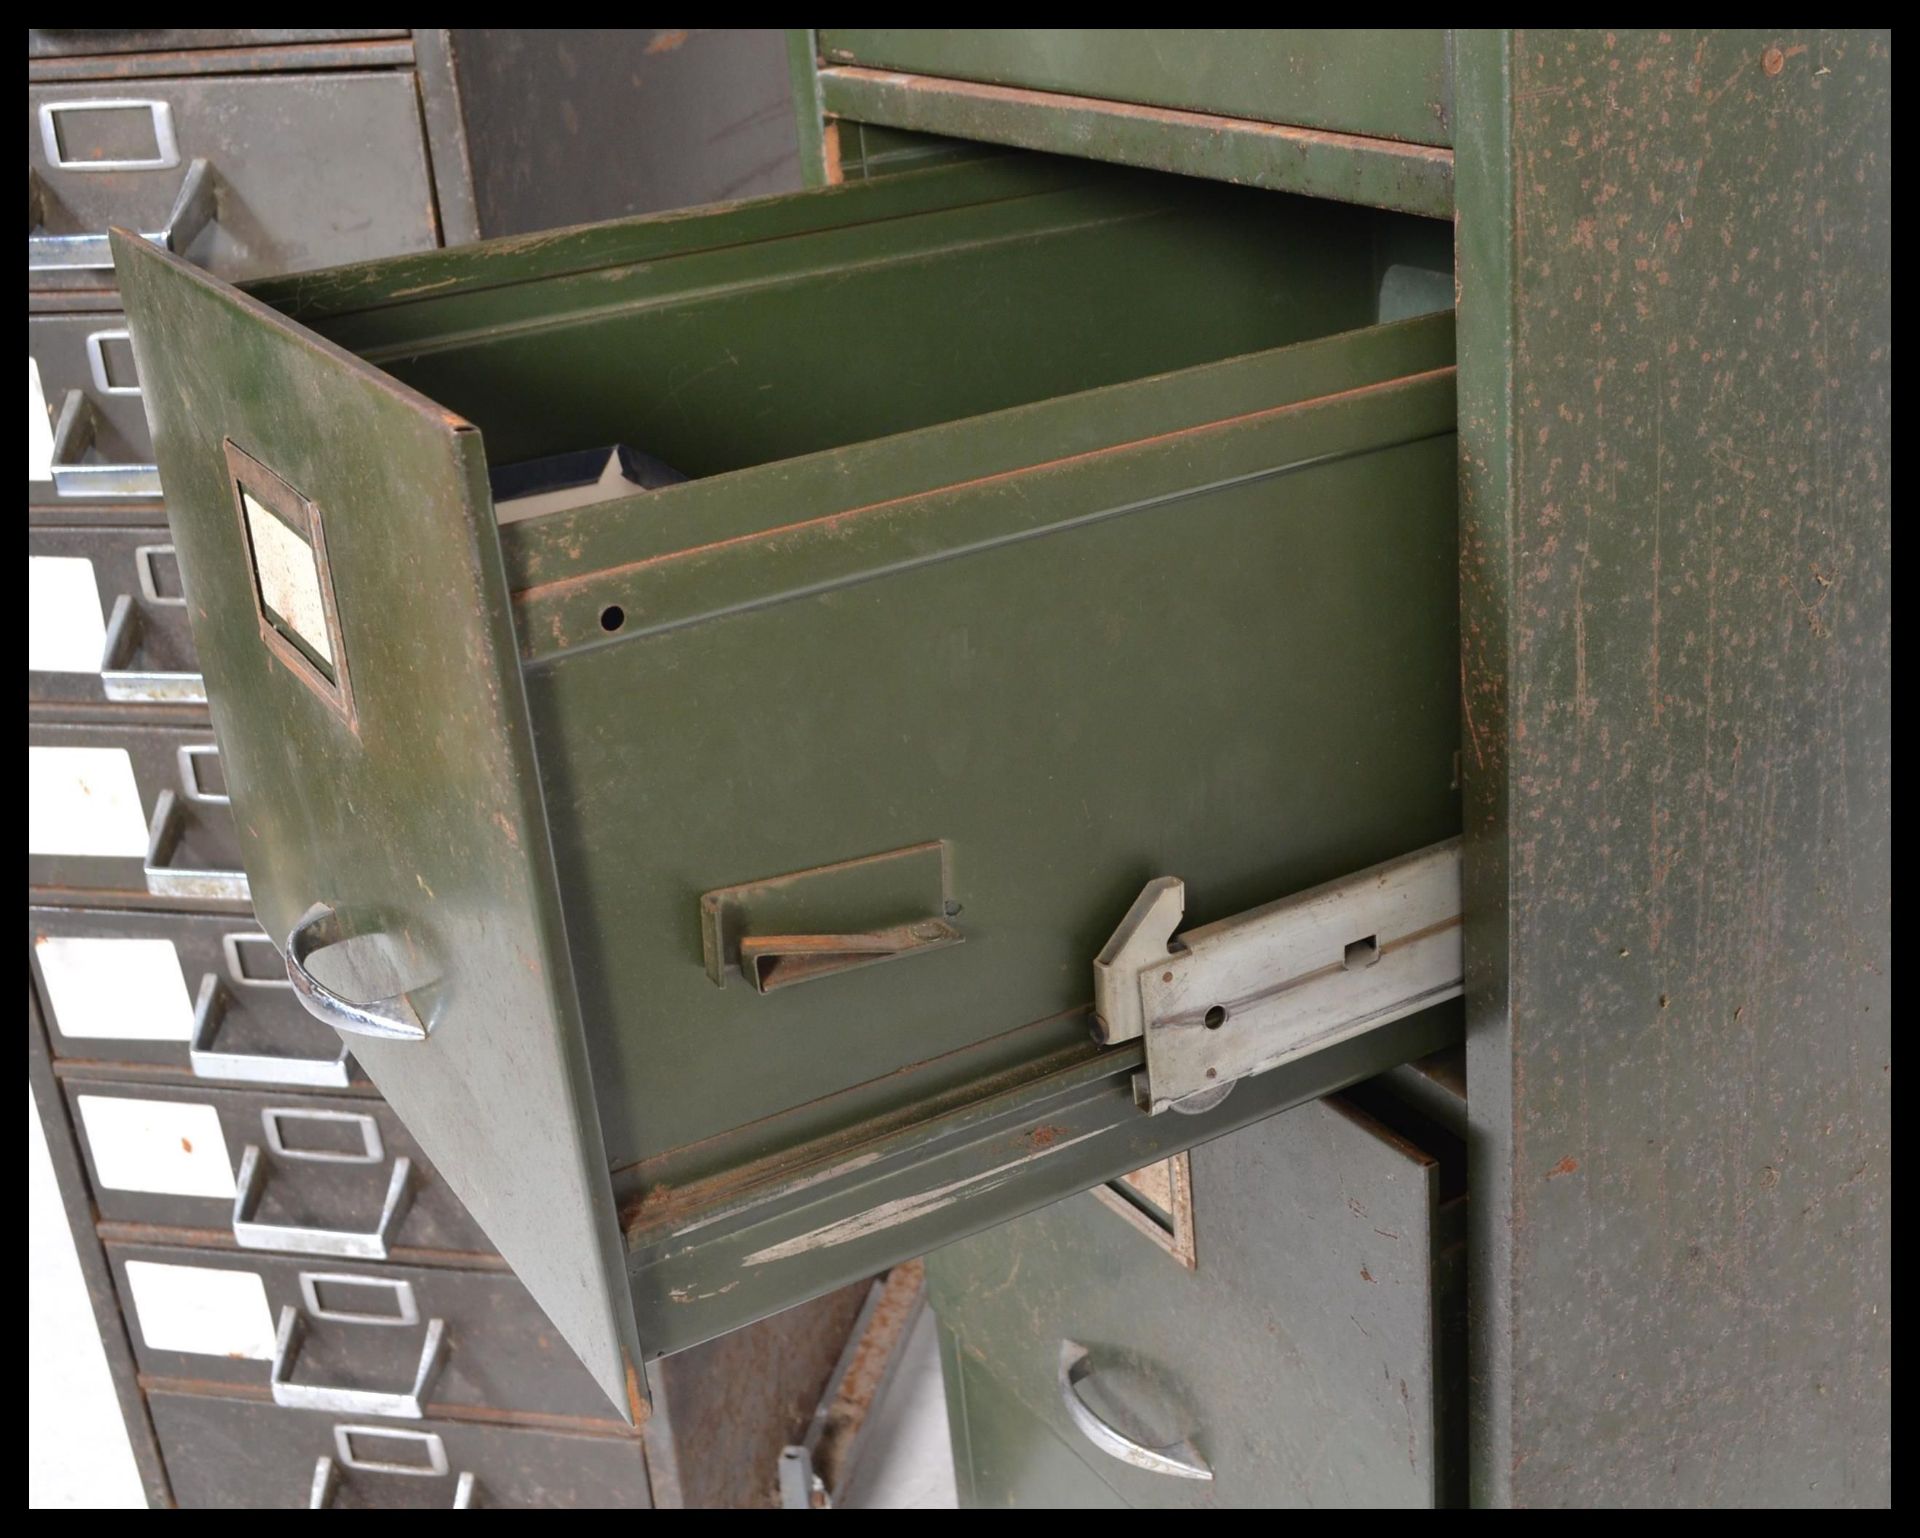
column 803, row 75
column 1348, row 168
column 898, row 534
column 818, row 1225
column 1484, row 237
column 258, row 59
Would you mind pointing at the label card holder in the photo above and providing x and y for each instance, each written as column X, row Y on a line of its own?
column 293, row 593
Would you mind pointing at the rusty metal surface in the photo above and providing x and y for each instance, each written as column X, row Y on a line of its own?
column 1345, row 167
column 723, row 1411
column 1676, row 546
column 869, row 1362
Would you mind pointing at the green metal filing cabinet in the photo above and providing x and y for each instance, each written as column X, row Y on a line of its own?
column 1087, row 484
column 295, row 1307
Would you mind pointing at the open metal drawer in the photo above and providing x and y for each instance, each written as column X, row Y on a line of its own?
column 1050, row 528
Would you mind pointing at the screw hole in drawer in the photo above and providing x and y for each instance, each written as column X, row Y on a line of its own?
column 612, row 618
column 1216, row 1017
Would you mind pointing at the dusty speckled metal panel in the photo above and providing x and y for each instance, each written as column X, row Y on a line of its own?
column 1676, row 317
column 1301, row 1355
column 569, row 124
column 246, row 1454
column 421, row 820
column 308, row 169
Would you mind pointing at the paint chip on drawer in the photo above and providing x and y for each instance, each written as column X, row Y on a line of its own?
column 289, row 577
column 84, row 801
column 201, row 1309
column 65, row 631
column 124, row 988
column 159, row 1146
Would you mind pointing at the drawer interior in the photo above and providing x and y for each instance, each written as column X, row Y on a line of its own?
column 729, row 339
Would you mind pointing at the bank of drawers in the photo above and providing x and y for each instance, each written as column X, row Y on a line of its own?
column 314, row 1317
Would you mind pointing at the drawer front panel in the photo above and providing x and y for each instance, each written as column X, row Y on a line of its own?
column 175, row 1157
column 62, row 42
column 107, row 619
column 1003, row 1454
column 236, row 1454
column 130, row 809
column 308, row 170
column 131, row 987
column 1394, row 84
column 89, row 353
column 1298, row 1357
column 206, row 1315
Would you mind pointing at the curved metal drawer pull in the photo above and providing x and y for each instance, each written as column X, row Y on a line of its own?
column 408, row 1404
column 252, row 1234
column 390, row 1019
column 1180, row 1460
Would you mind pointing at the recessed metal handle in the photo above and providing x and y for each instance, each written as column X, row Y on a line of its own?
column 165, row 879
column 133, row 685
column 772, row 962
column 73, row 434
column 326, row 1472
column 252, row 1234
column 193, row 210
column 390, row 1019
column 208, row 1062
column 406, row 1404
column 1180, row 1460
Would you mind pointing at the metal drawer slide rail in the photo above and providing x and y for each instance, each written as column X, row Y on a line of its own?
column 1280, row 982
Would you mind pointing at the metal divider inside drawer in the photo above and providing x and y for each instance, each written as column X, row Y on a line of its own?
column 202, row 992
column 304, row 1175
column 130, row 808
column 355, row 1339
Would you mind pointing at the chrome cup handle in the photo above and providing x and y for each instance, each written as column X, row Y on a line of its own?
column 1179, row 1460
column 389, row 1019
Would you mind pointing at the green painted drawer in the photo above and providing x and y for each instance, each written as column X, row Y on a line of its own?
column 1394, row 83
column 1049, row 527
column 1004, row 1455
column 1306, row 1358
